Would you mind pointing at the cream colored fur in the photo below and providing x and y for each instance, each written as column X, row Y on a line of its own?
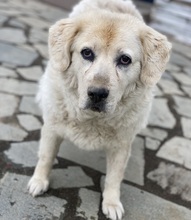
column 110, row 28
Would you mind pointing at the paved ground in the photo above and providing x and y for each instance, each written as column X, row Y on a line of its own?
column 157, row 183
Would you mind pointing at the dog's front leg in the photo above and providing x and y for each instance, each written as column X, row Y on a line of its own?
column 116, row 164
column 49, row 146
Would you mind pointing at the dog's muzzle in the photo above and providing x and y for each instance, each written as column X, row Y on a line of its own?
column 97, row 99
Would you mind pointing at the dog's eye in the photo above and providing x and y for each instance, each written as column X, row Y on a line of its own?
column 88, row 54
column 124, row 60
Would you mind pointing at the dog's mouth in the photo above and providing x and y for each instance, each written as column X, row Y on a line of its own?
column 96, row 107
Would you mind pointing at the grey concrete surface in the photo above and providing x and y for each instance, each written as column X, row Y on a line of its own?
column 16, row 203
column 162, row 210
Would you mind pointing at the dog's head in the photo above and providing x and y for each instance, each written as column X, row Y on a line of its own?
column 103, row 57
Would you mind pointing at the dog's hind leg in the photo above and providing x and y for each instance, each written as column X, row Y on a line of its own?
column 116, row 163
column 49, row 146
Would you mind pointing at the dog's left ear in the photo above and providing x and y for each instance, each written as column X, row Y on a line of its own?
column 61, row 36
column 156, row 52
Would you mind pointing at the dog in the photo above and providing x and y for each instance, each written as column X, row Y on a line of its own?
column 98, row 87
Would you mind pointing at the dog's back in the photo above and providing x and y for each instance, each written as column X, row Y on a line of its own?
column 117, row 6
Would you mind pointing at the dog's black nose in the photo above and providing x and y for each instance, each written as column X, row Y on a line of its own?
column 98, row 94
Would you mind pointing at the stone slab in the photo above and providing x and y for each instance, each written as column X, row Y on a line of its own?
column 3, row 19
column 14, row 55
column 27, row 47
column 9, row 65
column 177, row 150
column 18, row 87
column 187, row 70
column 182, row 78
column 28, row 105
column 154, row 133
column 38, row 35
column 18, row 204
column 182, row 106
column 157, row 91
column 45, row 63
column 24, row 153
column 29, row 122
column 161, row 115
column 141, row 205
column 96, row 159
column 43, row 50
column 187, row 90
column 178, row 59
column 167, row 76
column 89, row 205
column 186, row 127
column 35, row 22
column 10, row 12
column 35, row 6
column 9, row 104
column 16, row 23
column 5, row 72
column 172, row 67
column 182, row 48
column 170, row 87
column 93, row 159
column 31, row 73
column 11, row 133
column 54, row 14
column 3, row 4
column 69, row 178
column 174, row 179
column 12, row 35
column 152, row 144
column 135, row 167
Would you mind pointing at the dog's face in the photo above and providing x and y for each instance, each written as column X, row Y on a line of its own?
column 104, row 58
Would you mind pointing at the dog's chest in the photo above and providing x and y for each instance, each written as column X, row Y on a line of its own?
column 89, row 135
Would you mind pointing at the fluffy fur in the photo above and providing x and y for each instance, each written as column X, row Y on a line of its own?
column 110, row 28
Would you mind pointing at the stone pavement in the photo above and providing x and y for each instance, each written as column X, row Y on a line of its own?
column 157, row 184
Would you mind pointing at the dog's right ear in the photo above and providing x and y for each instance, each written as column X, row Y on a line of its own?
column 61, row 36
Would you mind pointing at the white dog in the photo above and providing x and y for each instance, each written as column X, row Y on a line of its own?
column 97, row 88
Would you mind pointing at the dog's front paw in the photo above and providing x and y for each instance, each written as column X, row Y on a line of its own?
column 113, row 210
column 37, row 186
